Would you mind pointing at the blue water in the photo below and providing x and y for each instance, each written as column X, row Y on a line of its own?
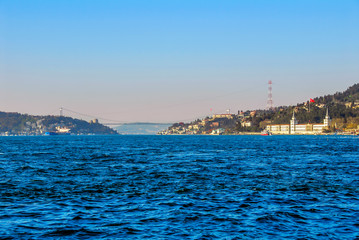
column 179, row 187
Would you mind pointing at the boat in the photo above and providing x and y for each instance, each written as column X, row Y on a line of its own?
column 59, row 131
column 50, row 133
column 266, row 133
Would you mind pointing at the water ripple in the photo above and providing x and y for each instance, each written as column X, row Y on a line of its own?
column 174, row 187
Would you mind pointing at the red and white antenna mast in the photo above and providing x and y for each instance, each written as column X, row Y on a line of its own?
column 270, row 101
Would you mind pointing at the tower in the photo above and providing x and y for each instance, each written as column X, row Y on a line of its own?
column 270, row 101
column 293, row 122
column 327, row 120
column 61, row 111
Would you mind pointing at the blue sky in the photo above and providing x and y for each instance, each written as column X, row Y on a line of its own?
column 166, row 61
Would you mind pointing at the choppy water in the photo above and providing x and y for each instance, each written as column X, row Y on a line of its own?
column 179, row 187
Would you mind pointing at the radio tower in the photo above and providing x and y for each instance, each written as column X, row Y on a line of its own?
column 270, row 101
column 61, row 111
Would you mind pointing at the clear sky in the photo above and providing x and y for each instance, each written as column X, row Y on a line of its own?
column 167, row 61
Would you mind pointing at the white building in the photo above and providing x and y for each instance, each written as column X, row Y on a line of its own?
column 246, row 124
column 295, row 128
column 229, row 116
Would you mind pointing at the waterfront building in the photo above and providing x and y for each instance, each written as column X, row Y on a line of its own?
column 294, row 128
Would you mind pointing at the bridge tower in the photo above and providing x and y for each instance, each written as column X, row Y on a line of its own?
column 270, row 101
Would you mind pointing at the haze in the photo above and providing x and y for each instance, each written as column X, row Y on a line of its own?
column 167, row 61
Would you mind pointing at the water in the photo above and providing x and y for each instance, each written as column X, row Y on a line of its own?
column 179, row 187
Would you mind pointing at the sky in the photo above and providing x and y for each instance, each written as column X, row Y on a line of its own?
column 170, row 61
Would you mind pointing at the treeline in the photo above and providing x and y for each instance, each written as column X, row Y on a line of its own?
column 14, row 121
column 350, row 95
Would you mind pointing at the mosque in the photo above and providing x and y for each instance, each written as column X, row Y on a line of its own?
column 295, row 128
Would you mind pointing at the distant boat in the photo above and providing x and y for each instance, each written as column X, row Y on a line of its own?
column 56, row 133
column 50, row 133
column 266, row 133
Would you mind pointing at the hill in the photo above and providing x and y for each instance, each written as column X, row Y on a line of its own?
column 343, row 109
column 24, row 124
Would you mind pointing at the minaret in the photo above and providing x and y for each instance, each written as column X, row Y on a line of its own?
column 327, row 120
column 293, row 122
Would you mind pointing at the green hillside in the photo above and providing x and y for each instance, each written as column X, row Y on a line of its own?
column 24, row 124
column 343, row 109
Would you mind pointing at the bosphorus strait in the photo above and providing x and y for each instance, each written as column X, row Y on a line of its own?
column 179, row 187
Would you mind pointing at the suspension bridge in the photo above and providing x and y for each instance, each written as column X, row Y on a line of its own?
column 88, row 117
column 66, row 112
